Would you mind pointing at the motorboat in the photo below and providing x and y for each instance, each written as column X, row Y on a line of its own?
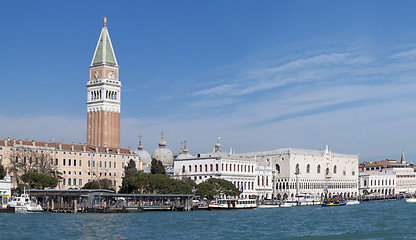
column 269, row 204
column 334, row 204
column 410, row 199
column 232, row 204
column 353, row 202
column 301, row 199
column 24, row 204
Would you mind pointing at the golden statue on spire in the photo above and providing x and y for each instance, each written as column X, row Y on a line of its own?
column 105, row 21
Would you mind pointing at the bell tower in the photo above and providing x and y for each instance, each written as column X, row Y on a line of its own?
column 103, row 95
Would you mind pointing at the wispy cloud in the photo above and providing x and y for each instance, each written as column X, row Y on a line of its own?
column 405, row 54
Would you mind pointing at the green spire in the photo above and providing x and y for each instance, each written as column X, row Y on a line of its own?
column 104, row 52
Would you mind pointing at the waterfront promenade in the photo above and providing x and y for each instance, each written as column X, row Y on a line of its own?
column 368, row 220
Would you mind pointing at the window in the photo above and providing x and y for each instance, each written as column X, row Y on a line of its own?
column 190, row 168
column 327, row 171
column 69, row 181
column 206, row 168
column 344, row 172
column 200, row 168
column 89, row 163
column 183, row 169
column 211, row 168
column 216, row 167
column 114, row 165
column 75, row 162
column 308, row 168
column 64, row 162
column 80, row 182
column 89, row 173
column 109, row 164
column 105, row 164
column 56, row 161
column 75, row 181
column 69, row 162
column 101, row 163
column 297, row 168
column 335, row 169
column 93, row 163
column 277, row 168
column 318, row 169
column 353, row 173
column 80, row 163
column 196, row 168
column 63, row 181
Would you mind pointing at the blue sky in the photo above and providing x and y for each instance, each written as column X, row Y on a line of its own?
column 260, row 74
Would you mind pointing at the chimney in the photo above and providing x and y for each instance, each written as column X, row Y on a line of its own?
column 5, row 142
column 20, row 142
column 84, row 148
column 14, row 141
column 118, row 151
column 73, row 146
column 46, row 145
column 33, row 143
column 60, row 146
column 96, row 149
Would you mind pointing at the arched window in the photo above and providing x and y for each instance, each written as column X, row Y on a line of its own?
column 297, row 168
column 190, row 168
column 183, row 169
column 278, row 168
column 335, row 169
column 308, row 168
column 327, row 171
column 318, row 169
column 69, row 181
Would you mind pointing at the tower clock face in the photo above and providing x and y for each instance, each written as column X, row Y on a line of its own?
column 96, row 75
column 111, row 75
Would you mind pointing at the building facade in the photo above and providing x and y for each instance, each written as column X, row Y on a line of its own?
column 321, row 173
column 377, row 183
column 73, row 164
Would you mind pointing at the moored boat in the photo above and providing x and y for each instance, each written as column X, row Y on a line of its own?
column 353, row 202
column 24, row 204
column 232, row 204
column 334, row 204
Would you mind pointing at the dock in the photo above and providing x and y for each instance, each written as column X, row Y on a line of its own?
column 106, row 201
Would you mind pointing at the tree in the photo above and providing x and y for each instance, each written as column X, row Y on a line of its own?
column 154, row 183
column 2, row 171
column 130, row 168
column 24, row 159
column 216, row 187
column 39, row 181
column 99, row 184
column 157, row 167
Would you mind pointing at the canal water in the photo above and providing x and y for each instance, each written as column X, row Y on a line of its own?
column 369, row 220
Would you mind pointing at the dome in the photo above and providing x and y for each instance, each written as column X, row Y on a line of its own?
column 163, row 154
column 144, row 157
column 183, row 154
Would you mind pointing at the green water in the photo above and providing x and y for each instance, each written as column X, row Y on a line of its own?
column 370, row 220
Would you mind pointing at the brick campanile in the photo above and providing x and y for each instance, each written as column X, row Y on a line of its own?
column 103, row 95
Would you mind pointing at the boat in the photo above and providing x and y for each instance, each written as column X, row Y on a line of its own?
column 232, row 204
column 410, row 199
column 334, row 204
column 353, row 202
column 24, row 204
column 302, row 199
column 269, row 204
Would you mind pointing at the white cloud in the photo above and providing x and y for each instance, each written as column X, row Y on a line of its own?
column 409, row 53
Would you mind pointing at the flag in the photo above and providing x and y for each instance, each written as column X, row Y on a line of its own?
column 242, row 188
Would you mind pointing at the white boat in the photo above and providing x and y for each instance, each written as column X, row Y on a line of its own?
column 276, row 205
column 232, row 204
column 410, row 200
column 353, row 202
column 302, row 199
column 24, row 204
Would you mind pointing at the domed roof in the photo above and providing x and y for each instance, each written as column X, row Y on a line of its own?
column 144, row 157
column 163, row 154
column 183, row 154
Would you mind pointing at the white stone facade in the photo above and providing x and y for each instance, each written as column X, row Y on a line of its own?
column 321, row 173
column 406, row 180
column 378, row 183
